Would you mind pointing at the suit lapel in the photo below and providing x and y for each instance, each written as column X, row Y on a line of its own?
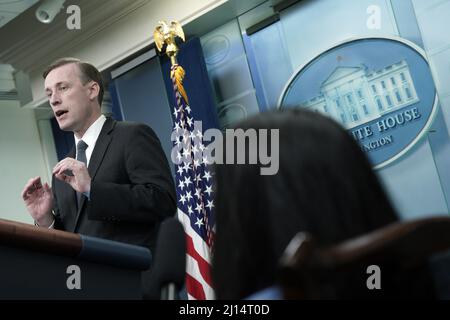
column 100, row 147
column 97, row 156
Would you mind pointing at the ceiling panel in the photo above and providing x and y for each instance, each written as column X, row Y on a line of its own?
column 9, row 9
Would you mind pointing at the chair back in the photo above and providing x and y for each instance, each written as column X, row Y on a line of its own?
column 389, row 263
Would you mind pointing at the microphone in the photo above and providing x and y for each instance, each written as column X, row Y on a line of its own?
column 169, row 269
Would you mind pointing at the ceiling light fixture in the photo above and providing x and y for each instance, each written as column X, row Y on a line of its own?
column 48, row 10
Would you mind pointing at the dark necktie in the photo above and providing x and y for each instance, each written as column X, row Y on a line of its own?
column 81, row 156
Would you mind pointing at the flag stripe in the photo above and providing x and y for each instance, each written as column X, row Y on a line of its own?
column 194, row 272
column 196, row 261
column 199, row 245
column 194, row 288
column 202, row 264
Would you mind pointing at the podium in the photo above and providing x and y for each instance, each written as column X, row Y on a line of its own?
column 38, row 263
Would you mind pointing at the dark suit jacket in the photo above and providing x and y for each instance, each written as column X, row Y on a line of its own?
column 132, row 188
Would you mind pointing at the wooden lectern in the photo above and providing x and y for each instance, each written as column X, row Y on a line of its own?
column 38, row 263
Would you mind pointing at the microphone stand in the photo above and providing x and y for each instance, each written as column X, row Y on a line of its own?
column 169, row 292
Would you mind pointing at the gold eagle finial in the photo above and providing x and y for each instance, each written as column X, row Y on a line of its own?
column 166, row 33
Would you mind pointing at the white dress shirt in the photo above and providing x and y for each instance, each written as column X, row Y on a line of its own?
column 91, row 135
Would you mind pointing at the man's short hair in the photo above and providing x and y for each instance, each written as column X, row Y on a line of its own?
column 87, row 73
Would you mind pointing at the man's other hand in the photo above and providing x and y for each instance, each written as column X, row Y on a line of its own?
column 75, row 173
column 38, row 199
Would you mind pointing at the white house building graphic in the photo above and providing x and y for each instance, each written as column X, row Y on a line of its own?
column 354, row 96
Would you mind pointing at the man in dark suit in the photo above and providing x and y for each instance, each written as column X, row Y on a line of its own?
column 116, row 184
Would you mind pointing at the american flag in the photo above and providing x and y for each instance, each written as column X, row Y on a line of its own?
column 194, row 195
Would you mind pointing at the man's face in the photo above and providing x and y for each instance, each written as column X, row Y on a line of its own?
column 69, row 98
